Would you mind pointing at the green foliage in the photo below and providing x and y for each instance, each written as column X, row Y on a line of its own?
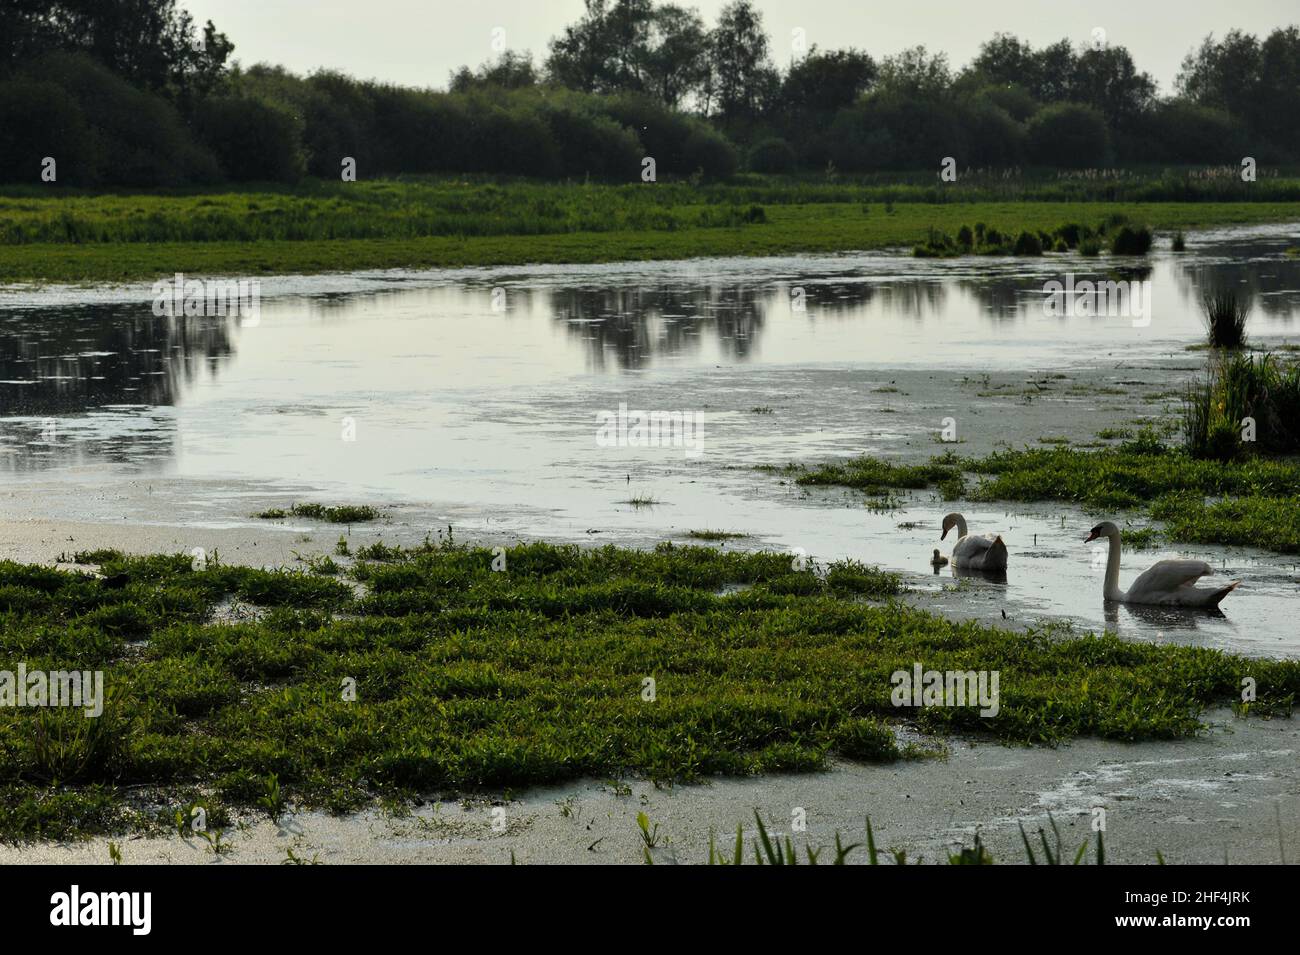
column 98, row 128
column 1131, row 241
column 1225, row 317
column 340, row 514
column 251, row 139
column 1069, row 135
column 1140, row 472
column 1240, row 387
column 468, row 679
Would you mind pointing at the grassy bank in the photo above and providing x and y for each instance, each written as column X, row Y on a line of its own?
column 424, row 224
column 467, row 678
column 1254, row 501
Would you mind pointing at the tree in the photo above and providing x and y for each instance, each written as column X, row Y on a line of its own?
column 1006, row 61
column 915, row 73
column 825, row 82
column 605, row 51
column 150, row 43
column 511, row 71
column 1107, row 80
column 1223, row 74
column 676, row 63
column 743, row 75
column 1053, row 73
column 1277, row 100
column 578, row 55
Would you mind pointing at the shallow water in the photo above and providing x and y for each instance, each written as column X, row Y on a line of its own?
column 473, row 396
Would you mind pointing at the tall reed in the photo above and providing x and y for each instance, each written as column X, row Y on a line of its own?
column 1225, row 318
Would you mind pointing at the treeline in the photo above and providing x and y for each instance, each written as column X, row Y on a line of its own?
column 132, row 92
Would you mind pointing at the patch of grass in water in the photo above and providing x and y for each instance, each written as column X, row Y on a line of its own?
column 340, row 514
column 707, row 535
column 468, row 679
column 1250, row 501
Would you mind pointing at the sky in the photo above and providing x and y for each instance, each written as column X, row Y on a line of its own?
column 419, row 42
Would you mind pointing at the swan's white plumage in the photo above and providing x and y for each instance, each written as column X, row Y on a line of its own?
column 975, row 551
column 980, row 552
column 1170, row 583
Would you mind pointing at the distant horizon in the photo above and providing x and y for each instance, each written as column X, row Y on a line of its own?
column 417, row 43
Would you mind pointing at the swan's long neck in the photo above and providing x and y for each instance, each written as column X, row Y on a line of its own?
column 961, row 527
column 1111, row 590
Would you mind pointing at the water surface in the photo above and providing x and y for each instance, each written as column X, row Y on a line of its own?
column 473, row 395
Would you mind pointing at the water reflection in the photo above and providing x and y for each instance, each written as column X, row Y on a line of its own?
column 79, row 385
column 112, row 375
column 632, row 327
column 1158, row 618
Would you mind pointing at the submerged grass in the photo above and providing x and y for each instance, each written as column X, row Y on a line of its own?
column 444, row 675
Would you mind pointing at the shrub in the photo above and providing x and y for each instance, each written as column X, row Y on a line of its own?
column 1243, row 386
column 1068, row 134
column 1225, row 318
column 130, row 137
column 710, row 151
column 592, row 145
column 39, row 119
column 251, row 139
column 772, row 155
column 1028, row 244
column 1131, row 241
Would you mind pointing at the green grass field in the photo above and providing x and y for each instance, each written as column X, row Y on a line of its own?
column 468, row 679
column 321, row 227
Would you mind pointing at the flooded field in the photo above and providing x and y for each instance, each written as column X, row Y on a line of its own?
column 473, row 398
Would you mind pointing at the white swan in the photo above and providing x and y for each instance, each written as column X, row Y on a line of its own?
column 1171, row 583
column 974, row 551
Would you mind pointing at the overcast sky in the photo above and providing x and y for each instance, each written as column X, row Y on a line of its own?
column 418, row 42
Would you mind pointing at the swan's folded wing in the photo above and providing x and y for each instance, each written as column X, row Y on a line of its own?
column 1168, row 575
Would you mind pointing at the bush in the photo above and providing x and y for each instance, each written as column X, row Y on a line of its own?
column 894, row 131
column 1028, row 244
column 992, row 137
column 711, row 152
column 592, row 145
column 251, row 139
column 1182, row 132
column 1070, row 135
column 39, row 119
column 1243, row 386
column 772, row 155
column 1131, row 241
column 126, row 136
column 1225, row 318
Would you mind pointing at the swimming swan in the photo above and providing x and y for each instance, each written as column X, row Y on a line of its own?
column 1171, row 583
column 972, row 551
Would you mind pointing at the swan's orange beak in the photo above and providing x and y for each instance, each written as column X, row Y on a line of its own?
column 1090, row 538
